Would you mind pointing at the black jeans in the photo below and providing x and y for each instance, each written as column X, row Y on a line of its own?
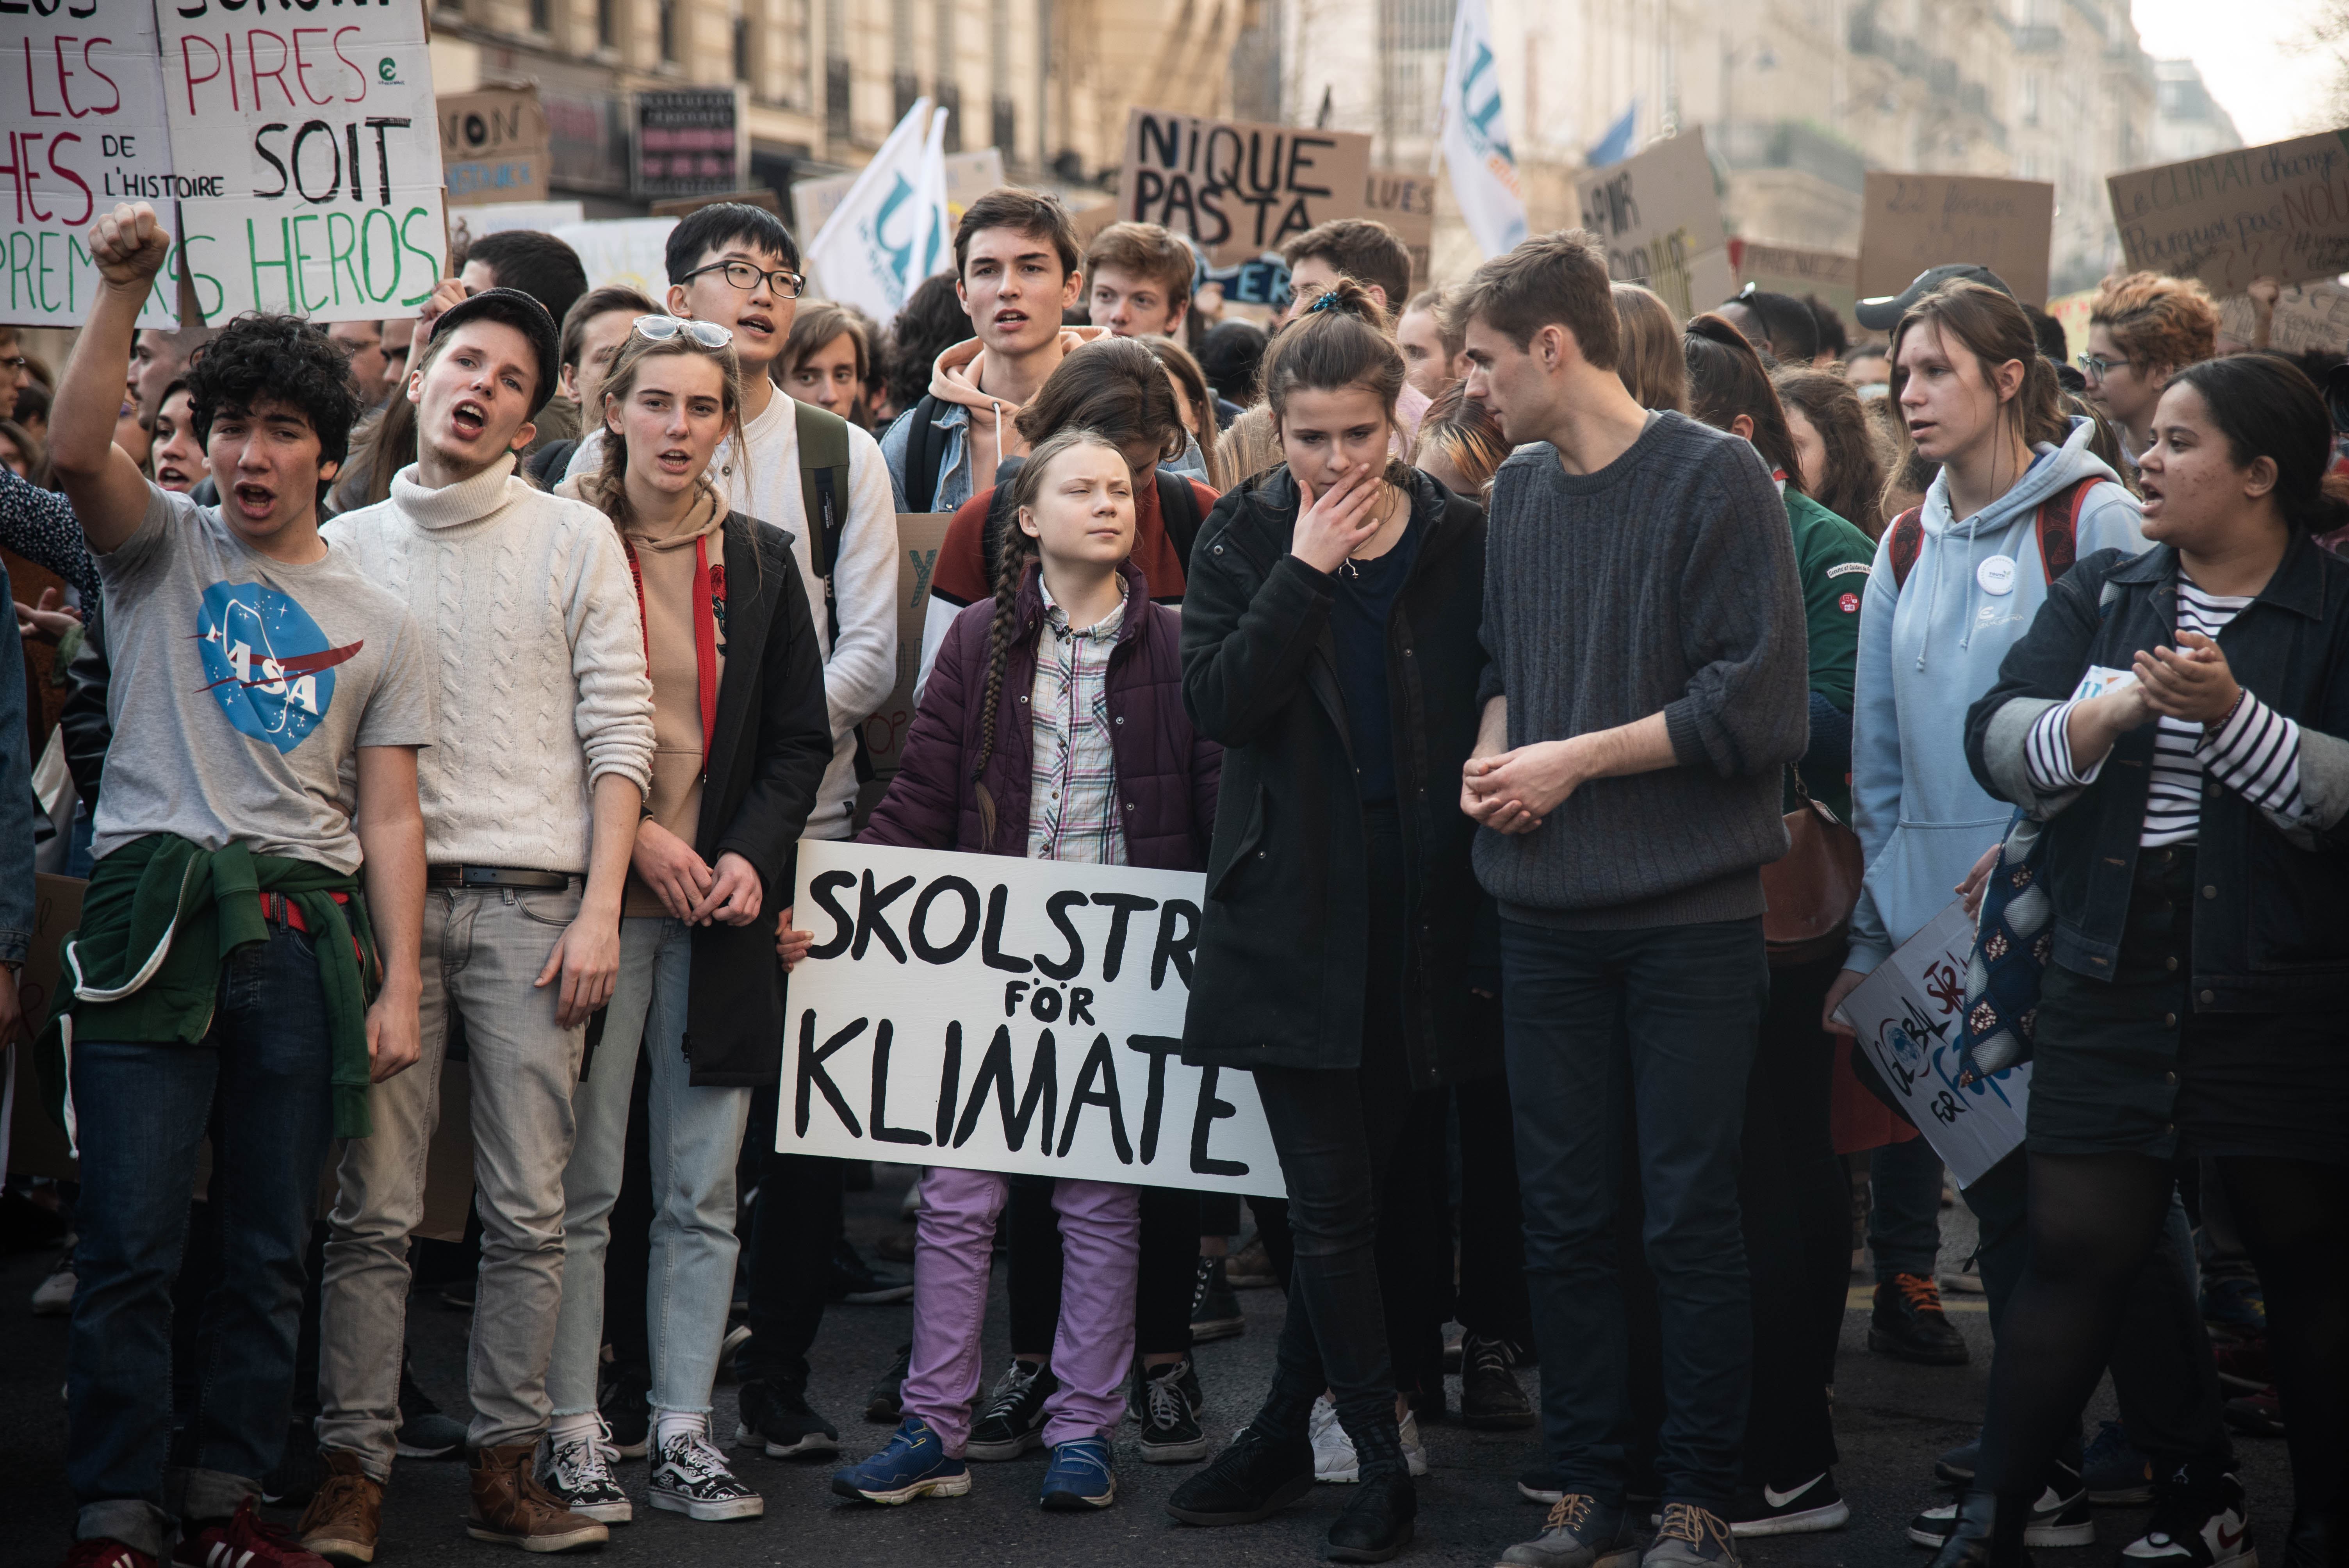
column 1648, row 1034
column 1492, row 1220
column 795, row 1227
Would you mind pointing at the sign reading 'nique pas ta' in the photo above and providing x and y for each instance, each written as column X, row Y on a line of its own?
column 1007, row 1015
column 1238, row 190
column 309, row 157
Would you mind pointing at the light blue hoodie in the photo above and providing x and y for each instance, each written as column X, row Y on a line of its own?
column 1927, row 650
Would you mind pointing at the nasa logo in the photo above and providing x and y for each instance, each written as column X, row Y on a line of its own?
column 1849, row 604
column 272, row 669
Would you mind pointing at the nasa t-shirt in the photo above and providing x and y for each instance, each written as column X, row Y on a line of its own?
column 242, row 687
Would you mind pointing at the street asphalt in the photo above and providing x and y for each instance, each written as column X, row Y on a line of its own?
column 1891, row 1419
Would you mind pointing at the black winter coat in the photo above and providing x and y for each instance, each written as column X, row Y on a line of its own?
column 1284, row 933
column 770, row 748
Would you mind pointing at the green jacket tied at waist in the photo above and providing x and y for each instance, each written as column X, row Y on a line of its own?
column 161, row 919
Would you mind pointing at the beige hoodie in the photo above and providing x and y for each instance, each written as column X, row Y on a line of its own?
column 955, row 378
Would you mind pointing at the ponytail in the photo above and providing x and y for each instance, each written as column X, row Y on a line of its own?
column 1339, row 340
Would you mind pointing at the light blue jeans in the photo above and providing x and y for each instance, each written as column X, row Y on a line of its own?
column 697, row 1135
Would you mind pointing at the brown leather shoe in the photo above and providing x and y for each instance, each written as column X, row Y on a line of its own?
column 511, row 1507
column 345, row 1517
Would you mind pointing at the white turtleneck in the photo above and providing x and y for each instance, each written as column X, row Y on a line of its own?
column 530, row 624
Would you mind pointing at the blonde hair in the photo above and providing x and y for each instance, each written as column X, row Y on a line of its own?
column 1251, row 447
column 1650, row 360
column 2162, row 322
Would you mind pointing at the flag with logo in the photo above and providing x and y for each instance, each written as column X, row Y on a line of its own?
column 1616, row 145
column 890, row 232
column 1473, row 136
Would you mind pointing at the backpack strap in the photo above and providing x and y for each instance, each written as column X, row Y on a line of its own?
column 824, row 492
column 924, row 450
column 2058, row 525
column 1907, row 532
column 1178, row 509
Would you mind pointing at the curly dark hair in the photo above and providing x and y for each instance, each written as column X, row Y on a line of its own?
column 932, row 321
column 279, row 359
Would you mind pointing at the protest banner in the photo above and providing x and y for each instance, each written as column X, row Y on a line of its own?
column 689, row 143
column 920, row 536
column 1474, row 135
column 467, row 224
column 1405, row 202
column 1237, row 189
column 1660, row 217
column 1907, row 1013
column 493, row 145
column 1912, row 222
column 890, row 229
column 83, row 101
column 2278, row 211
column 631, row 250
column 320, row 150
column 1788, row 270
column 2312, row 317
column 953, row 1005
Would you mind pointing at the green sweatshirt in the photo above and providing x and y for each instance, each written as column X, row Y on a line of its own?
column 161, row 919
column 1832, row 558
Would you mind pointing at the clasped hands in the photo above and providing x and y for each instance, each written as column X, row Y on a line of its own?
column 1515, row 791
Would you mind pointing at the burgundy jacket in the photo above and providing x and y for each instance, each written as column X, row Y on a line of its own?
column 1166, row 771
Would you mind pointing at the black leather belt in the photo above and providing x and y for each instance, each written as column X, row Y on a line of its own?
column 496, row 876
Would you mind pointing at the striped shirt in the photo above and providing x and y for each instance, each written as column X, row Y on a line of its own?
column 2256, row 753
column 1072, row 806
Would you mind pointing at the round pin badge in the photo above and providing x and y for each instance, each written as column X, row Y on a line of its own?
column 1996, row 574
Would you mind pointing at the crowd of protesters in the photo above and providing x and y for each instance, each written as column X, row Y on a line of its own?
column 456, row 690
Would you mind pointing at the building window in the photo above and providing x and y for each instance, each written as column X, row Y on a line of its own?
column 1007, row 128
column 745, row 69
column 607, row 24
column 538, row 17
column 837, row 78
column 951, row 100
column 905, row 87
column 669, row 32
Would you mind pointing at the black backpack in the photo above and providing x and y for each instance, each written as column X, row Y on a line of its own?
column 1178, row 509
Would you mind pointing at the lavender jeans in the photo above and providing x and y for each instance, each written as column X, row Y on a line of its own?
column 1100, row 1236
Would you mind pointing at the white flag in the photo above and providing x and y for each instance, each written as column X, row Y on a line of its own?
column 1474, row 136
column 889, row 231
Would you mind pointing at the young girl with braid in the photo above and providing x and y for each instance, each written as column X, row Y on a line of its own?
column 1052, row 726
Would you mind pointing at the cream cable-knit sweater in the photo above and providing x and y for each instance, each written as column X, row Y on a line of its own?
column 530, row 618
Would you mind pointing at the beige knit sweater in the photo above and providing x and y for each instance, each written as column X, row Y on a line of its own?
column 529, row 621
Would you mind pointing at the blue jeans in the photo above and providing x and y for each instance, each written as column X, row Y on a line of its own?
column 261, row 1085
column 1904, row 1222
column 1648, row 1034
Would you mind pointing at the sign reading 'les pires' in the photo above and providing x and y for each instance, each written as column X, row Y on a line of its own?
column 320, row 150
column 1238, row 190
column 1007, row 1015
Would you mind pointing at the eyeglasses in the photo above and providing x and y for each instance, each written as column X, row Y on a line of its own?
column 661, row 328
column 744, row 276
column 2097, row 365
column 13, row 362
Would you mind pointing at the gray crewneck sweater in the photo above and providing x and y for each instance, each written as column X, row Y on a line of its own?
column 1665, row 581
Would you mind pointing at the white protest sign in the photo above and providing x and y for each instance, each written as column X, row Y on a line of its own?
column 1007, row 1015
column 1906, row 1014
column 81, row 94
column 631, row 250
column 319, row 130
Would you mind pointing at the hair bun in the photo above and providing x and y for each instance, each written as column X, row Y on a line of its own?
column 1343, row 296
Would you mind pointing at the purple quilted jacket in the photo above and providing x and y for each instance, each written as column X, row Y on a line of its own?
column 1166, row 771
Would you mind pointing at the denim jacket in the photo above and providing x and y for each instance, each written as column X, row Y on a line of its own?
column 2270, row 933
column 955, row 484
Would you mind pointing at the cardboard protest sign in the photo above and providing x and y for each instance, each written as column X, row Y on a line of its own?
column 1788, row 270
column 493, row 145
column 81, row 92
column 2071, row 311
column 320, row 150
column 2313, row 315
column 1660, row 218
column 1908, row 1013
column 1912, row 222
column 1007, row 1015
column 1405, row 202
column 1237, row 189
column 2277, row 212
column 920, row 536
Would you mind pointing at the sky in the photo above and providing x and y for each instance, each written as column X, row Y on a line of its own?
column 2272, row 92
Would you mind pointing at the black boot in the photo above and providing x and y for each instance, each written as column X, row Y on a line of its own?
column 1989, row 1533
column 1379, row 1518
column 1268, row 1465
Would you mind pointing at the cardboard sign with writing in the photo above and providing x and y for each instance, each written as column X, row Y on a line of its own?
column 2312, row 315
column 1405, row 202
column 1788, row 270
column 2277, row 212
column 1660, row 217
column 1906, row 1014
column 1239, row 188
column 319, row 140
column 81, row 94
column 1007, row 1015
column 920, row 535
column 1912, row 222
column 493, row 146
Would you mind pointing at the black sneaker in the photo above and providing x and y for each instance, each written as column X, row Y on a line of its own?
column 1909, row 1324
column 424, row 1432
column 2195, row 1524
column 2259, row 1415
column 1166, row 1402
column 1378, row 1521
column 1802, row 1509
column 777, row 1418
column 1490, row 1399
column 885, row 1402
column 1956, row 1466
column 853, row 1282
column 1253, row 1479
column 1215, row 1309
column 2060, row 1517
column 299, row 1471
column 626, row 1404
column 1013, row 1420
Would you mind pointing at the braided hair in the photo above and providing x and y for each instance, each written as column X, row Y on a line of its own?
column 1019, row 548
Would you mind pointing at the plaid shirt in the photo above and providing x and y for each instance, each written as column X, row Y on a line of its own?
column 1072, row 808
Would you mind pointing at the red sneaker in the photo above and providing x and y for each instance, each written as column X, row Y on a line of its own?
column 247, row 1540
column 100, row 1552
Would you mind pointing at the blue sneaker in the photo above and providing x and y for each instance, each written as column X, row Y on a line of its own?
column 1081, row 1475
column 915, row 1464
column 2117, row 1475
column 2235, row 1307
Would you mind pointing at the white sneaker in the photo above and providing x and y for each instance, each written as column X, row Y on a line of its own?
column 53, row 1297
column 577, row 1469
column 1333, row 1451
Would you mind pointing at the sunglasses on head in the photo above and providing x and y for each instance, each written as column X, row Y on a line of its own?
column 661, row 328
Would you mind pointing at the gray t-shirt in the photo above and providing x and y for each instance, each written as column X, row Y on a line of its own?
column 242, row 686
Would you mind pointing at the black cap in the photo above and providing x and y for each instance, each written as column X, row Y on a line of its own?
column 524, row 314
column 1883, row 313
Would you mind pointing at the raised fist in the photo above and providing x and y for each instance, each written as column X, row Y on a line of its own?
column 129, row 246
